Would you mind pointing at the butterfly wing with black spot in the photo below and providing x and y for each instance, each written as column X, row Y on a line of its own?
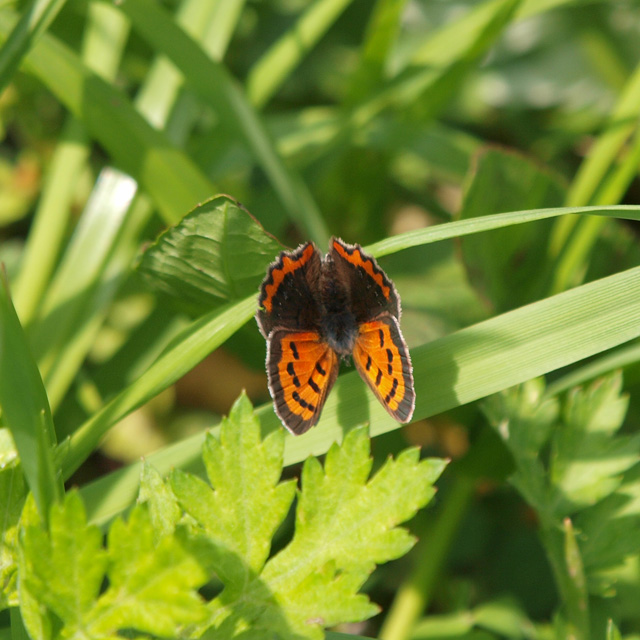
column 382, row 359
column 301, row 368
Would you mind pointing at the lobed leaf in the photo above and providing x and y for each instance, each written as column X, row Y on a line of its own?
column 13, row 492
column 346, row 523
column 344, row 526
column 152, row 579
column 67, row 562
column 247, row 502
column 588, row 459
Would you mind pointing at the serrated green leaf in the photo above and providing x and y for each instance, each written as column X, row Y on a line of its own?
column 152, row 581
column 524, row 419
column 12, row 496
column 588, row 461
column 65, row 566
column 217, row 253
column 344, row 525
column 247, row 503
column 35, row 617
column 161, row 502
column 609, row 533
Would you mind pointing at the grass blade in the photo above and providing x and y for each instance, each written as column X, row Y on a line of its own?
column 191, row 346
column 104, row 40
column 33, row 21
column 165, row 172
column 213, row 83
column 487, row 357
column 25, row 408
column 467, row 365
column 284, row 55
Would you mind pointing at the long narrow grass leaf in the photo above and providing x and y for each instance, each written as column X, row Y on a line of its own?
column 213, row 83
column 285, row 54
column 460, row 368
column 33, row 21
column 82, row 267
column 25, row 408
column 165, row 172
column 104, row 40
column 187, row 350
column 495, row 221
column 50, row 223
column 380, row 37
column 488, row 357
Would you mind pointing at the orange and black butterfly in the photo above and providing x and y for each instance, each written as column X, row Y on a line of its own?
column 314, row 310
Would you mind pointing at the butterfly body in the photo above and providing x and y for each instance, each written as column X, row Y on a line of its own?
column 314, row 311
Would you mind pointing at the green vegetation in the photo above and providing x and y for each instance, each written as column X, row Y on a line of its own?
column 485, row 152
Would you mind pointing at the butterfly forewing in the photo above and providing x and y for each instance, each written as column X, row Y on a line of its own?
column 382, row 359
column 371, row 293
column 288, row 295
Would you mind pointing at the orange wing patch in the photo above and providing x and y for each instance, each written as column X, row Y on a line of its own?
column 382, row 359
column 302, row 369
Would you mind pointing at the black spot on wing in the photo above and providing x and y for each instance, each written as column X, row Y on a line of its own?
column 392, row 393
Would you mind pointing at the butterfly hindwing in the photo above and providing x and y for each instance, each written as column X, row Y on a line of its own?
column 301, row 368
column 382, row 359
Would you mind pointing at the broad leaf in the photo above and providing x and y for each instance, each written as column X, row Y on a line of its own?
column 506, row 265
column 217, row 253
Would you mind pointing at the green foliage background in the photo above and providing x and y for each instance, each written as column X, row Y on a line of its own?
column 486, row 152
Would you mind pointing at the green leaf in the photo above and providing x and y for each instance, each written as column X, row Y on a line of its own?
column 217, row 253
column 591, row 474
column 468, row 364
column 161, row 502
column 67, row 564
column 13, row 492
column 247, row 503
column 285, row 54
column 588, row 459
column 152, row 578
column 524, row 419
column 25, row 408
column 34, row 20
column 215, row 85
column 381, row 35
column 345, row 524
column 506, row 265
column 609, row 534
column 180, row 356
column 167, row 174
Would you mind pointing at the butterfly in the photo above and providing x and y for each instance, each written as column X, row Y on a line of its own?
column 315, row 310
